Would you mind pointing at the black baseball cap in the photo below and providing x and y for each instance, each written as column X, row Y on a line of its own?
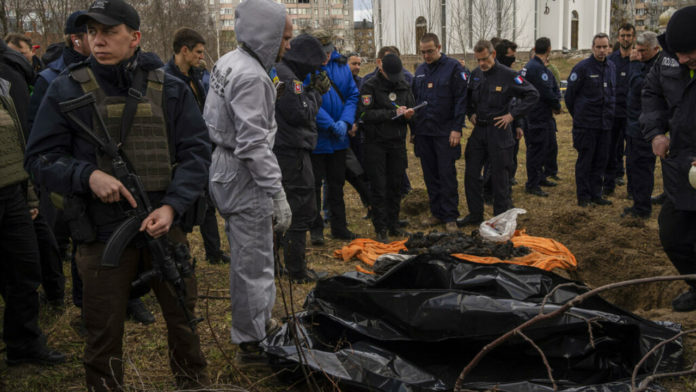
column 111, row 13
column 71, row 26
column 391, row 65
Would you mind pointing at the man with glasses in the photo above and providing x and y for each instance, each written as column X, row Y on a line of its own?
column 437, row 128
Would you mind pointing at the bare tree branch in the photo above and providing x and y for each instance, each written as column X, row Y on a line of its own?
column 549, row 370
column 558, row 312
column 654, row 350
column 648, row 380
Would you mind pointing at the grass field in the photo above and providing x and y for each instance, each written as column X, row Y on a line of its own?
column 608, row 248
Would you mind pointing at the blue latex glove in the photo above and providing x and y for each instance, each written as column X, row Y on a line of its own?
column 339, row 129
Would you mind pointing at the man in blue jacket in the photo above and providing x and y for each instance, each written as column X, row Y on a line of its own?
column 613, row 175
column 335, row 118
column 590, row 99
column 437, row 128
column 540, row 117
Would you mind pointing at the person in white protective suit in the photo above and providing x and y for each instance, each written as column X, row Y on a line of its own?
column 245, row 179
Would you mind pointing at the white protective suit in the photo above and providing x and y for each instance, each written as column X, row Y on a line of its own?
column 244, row 174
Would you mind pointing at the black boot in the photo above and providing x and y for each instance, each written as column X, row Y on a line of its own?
column 294, row 245
column 40, row 356
column 137, row 311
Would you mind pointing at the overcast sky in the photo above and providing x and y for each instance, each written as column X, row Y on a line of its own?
column 362, row 9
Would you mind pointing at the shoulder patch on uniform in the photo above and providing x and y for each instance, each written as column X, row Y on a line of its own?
column 573, row 77
column 670, row 62
column 297, row 86
column 523, row 72
column 545, row 77
column 465, row 76
column 518, row 80
column 367, row 99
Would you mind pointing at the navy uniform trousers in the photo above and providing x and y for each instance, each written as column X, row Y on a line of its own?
column 592, row 146
column 437, row 161
column 640, row 169
column 483, row 144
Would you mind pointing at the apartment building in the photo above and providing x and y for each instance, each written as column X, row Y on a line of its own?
column 306, row 15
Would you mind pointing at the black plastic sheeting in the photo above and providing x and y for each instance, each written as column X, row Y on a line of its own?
column 418, row 325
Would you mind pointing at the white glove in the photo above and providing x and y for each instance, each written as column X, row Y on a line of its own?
column 282, row 216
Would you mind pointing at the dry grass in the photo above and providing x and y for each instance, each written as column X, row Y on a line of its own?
column 608, row 248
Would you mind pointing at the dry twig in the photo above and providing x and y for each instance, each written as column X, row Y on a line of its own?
column 561, row 310
column 648, row 380
column 652, row 351
column 219, row 346
column 543, row 358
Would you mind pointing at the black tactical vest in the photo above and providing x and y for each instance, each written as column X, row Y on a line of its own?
column 146, row 146
column 11, row 140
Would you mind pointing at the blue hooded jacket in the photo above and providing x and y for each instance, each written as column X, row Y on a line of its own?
column 336, row 107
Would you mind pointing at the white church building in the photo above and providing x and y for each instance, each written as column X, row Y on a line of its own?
column 570, row 24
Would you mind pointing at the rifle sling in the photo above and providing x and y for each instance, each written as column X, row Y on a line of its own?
column 135, row 95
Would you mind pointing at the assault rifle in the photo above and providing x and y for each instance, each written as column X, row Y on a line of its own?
column 169, row 263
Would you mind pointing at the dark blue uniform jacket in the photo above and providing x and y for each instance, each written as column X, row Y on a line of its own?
column 541, row 114
column 59, row 159
column 195, row 76
column 590, row 97
column 443, row 84
column 45, row 77
column 637, row 74
column 623, row 68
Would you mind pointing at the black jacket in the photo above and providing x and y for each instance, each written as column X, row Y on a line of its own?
column 296, row 113
column 637, row 73
column 194, row 77
column 62, row 161
column 669, row 105
column 491, row 93
column 376, row 109
column 17, row 70
column 19, row 74
column 298, row 105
